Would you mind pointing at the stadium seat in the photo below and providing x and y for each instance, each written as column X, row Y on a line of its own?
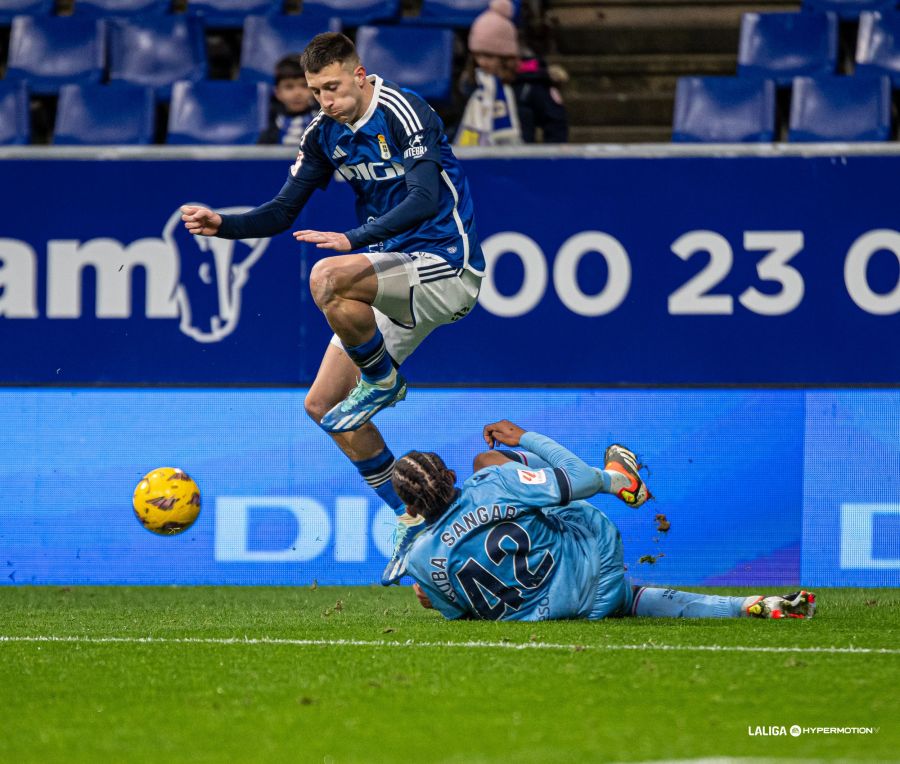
column 156, row 52
column 94, row 115
column 782, row 46
column 849, row 10
column 840, row 109
column 218, row 112
column 449, row 13
column 267, row 39
column 878, row 45
column 724, row 110
column 55, row 51
column 12, row 8
column 418, row 59
column 116, row 8
column 230, row 14
column 353, row 13
column 14, row 113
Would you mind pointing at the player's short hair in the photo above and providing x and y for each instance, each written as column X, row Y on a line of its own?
column 328, row 48
column 289, row 68
column 424, row 484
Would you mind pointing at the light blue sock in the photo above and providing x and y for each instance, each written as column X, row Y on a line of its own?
column 671, row 603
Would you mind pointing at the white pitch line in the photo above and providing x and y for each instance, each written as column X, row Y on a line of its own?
column 470, row 645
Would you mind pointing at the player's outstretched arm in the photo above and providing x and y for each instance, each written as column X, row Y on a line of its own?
column 324, row 239
column 200, row 221
column 583, row 480
column 504, row 432
column 421, row 203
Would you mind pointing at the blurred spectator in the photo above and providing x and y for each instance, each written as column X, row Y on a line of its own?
column 510, row 96
column 293, row 104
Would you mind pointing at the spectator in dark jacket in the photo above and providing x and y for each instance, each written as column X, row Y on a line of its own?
column 293, row 104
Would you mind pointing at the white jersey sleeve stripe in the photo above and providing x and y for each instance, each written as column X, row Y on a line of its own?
column 459, row 224
column 404, row 103
column 402, row 114
column 398, row 115
column 309, row 127
column 295, row 168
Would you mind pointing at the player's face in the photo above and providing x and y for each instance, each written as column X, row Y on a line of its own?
column 504, row 67
column 339, row 89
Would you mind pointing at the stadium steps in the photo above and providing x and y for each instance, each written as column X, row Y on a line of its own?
column 652, row 73
column 624, row 58
column 620, row 134
column 622, row 109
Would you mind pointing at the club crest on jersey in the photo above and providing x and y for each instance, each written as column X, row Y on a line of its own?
column 416, row 149
column 532, row 477
column 383, row 147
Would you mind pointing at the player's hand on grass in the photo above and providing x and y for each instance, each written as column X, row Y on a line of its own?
column 325, row 239
column 201, row 221
column 423, row 598
column 504, row 432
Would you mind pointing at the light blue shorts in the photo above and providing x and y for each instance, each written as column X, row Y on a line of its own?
column 612, row 590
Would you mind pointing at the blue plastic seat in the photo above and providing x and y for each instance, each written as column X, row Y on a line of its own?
column 724, row 110
column 156, row 52
column 55, row 51
column 782, row 46
column 450, row 13
column 218, row 112
column 353, row 13
column 267, row 39
column 418, row 59
column 840, row 109
column 15, row 124
column 103, row 115
column 878, row 45
column 231, row 13
column 11, row 8
column 118, row 8
column 848, row 10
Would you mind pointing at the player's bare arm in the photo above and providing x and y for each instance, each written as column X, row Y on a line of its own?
column 325, row 239
column 504, row 432
column 422, row 597
column 201, row 221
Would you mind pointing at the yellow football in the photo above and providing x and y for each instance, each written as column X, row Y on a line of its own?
column 166, row 501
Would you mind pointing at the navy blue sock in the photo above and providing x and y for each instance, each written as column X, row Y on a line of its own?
column 377, row 472
column 372, row 357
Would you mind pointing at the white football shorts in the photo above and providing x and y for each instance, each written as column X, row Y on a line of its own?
column 417, row 292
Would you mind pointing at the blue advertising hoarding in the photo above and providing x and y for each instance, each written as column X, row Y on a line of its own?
column 762, row 488
column 851, row 493
column 707, row 270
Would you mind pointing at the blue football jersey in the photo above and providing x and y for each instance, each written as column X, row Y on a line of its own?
column 373, row 154
column 505, row 550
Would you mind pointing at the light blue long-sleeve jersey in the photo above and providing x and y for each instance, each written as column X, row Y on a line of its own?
column 514, row 545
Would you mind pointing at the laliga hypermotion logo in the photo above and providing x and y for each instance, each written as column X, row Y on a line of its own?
column 211, row 274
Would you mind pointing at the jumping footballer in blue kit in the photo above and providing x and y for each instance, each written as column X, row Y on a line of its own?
column 423, row 264
column 517, row 541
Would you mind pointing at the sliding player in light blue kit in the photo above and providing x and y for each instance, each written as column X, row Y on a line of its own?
column 516, row 542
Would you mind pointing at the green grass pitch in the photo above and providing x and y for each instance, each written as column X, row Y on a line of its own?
column 364, row 674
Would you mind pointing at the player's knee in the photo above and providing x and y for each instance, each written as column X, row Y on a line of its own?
column 326, row 281
column 316, row 406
